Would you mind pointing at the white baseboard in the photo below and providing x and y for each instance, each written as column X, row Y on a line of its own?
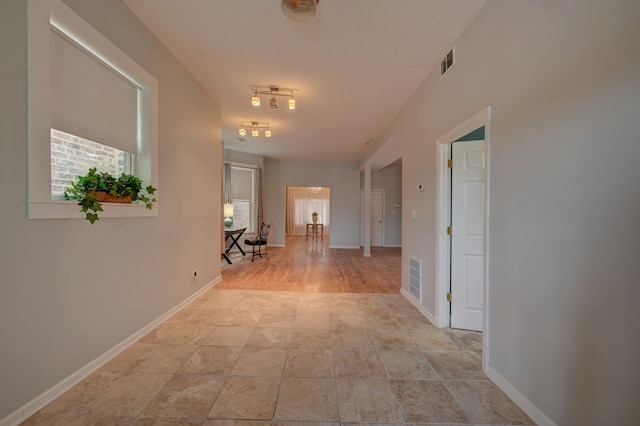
column 39, row 402
column 392, row 245
column 415, row 302
column 520, row 400
column 344, row 247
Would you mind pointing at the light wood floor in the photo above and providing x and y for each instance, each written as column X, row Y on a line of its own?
column 310, row 266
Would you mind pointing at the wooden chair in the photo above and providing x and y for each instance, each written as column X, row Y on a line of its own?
column 259, row 240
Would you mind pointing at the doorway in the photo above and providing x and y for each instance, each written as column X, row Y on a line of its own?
column 377, row 217
column 444, row 216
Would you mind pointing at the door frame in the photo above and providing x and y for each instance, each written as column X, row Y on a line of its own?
column 443, row 214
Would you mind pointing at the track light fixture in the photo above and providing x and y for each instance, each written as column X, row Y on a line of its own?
column 255, row 129
column 273, row 91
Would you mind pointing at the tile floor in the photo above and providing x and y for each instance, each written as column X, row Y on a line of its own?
column 236, row 357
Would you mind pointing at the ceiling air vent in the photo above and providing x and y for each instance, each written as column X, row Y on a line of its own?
column 241, row 139
column 448, row 61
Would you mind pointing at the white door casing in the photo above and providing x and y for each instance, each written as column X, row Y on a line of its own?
column 467, row 240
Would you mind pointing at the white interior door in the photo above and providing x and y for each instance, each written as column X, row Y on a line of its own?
column 468, row 185
column 377, row 217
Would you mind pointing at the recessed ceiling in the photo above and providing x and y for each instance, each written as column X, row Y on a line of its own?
column 354, row 64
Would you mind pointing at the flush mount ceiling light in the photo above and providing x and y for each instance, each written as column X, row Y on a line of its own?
column 255, row 129
column 273, row 91
column 299, row 10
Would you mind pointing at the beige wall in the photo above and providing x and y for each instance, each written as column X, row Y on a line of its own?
column 70, row 291
column 563, row 80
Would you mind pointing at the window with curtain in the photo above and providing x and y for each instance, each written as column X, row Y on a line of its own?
column 94, row 121
column 90, row 105
column 243, row 195
column 301, row 203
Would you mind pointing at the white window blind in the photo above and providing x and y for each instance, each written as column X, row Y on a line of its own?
column 242, row 183
column 90, row 99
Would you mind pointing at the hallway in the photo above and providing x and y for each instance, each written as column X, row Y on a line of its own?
column 324, row 356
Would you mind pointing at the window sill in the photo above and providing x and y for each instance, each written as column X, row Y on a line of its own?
column 63, row 209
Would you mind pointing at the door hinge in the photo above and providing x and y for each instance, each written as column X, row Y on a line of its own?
column 448, row 297
column 450, row 163
column 449, row 230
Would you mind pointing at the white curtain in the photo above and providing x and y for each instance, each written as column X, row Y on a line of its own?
column 301, row 203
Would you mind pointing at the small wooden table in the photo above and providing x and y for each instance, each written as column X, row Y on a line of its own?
column 315, row 227
column 235, row 235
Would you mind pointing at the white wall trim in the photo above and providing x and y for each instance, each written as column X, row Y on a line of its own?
column 415, row 302
column 37, row 403
column 527, row 406
column 482, row 118
column 345, row 247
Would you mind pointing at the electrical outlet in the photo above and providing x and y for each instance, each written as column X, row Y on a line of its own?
column 195, row 273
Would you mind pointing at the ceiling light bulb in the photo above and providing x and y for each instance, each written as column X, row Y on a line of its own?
column 267, row 133
column 255, row 100
column 273, row 103
column 299, row 10
column 242, row 131
column 255, row 132
column 292, row 103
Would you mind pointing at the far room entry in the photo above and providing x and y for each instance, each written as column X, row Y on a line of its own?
column 307, row 211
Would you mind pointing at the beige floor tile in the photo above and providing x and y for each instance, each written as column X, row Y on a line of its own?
column 310, row 338
column 384, row 322
column 205, row 316
column 277, row 319
column 248, row 318
column 431, row 341
column 245, row 358
column 177, row 333
column 218, row 360
column 310, row 399
column 309, row 363
column 127, row 395
column 415, row 322
column 455, row 366
column 151, row 358
column 427, row 401
column 358, row 364
column 351, row 338
column 185, row 395
column 228, row 335
column 387, row 340
column 45, row 419
column 348, row 320
column 291, row 423
column 485, row 403
column 78, row 396
column 269, row 337
column 368, row 400
column 407, row 365
column 247, row 398
column 160, row 421
column 260, row 362
column 312, row 320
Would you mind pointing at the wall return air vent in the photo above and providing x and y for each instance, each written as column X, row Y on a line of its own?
column 448, row 61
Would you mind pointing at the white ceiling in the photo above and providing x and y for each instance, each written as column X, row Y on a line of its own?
column 355, row 64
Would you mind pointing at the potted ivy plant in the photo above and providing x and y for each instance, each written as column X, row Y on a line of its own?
column 94, row 188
